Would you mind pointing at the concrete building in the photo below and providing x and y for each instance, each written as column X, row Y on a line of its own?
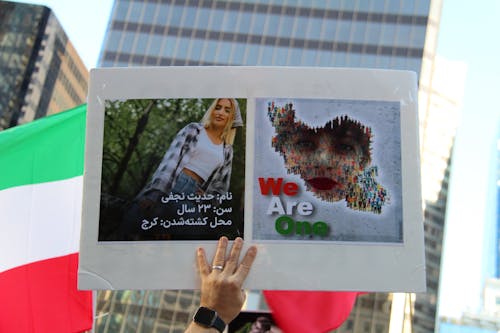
column 391, row 34
column 478, row 309
column 439, row 119
column 40, row 71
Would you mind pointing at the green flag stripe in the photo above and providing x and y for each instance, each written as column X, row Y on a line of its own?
column 48, row 149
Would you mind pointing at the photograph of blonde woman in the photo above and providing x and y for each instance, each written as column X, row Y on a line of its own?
column 192, row 193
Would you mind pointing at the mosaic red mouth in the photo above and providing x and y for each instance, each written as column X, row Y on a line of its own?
column 323, row 183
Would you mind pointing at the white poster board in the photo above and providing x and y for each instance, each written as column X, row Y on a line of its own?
column 324, row 178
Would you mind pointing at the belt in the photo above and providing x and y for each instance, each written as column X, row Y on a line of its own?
column 193, row 175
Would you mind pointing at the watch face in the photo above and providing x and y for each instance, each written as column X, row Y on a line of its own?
column 205, row 316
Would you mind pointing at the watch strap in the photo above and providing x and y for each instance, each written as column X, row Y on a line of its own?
column 209, row 318
column 219, row 324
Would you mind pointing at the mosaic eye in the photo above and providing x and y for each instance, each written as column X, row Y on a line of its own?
column 345, row 148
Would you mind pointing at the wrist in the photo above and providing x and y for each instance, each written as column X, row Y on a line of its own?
column 209, row 318
column 224, row 316
column 197, row 328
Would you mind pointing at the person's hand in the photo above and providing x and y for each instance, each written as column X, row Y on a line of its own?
column 221, row 282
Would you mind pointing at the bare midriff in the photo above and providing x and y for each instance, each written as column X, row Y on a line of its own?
column 193, row 175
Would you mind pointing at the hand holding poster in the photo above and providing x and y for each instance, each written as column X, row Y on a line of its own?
column 317, row 167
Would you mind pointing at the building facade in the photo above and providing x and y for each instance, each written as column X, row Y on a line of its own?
column 497, row 238
column 439, row 119
column 390, row 34
column 379, row 34
column 40, row 71
column 481, row 311
column 487, row 320
column 145, row 310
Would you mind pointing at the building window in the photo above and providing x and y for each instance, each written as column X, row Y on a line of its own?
column 149, row 13
column 202, row 18
column 223, row 53
column 121, row 10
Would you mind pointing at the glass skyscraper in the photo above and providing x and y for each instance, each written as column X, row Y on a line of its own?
column 391, row 34
column 485, row 316
column 380, row 34
column 40, row 71
column 497, row 238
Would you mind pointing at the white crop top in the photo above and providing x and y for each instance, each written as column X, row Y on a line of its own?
column 206, row 157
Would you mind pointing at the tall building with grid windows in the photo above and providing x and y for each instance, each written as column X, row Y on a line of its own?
column 380, row 34
column 391, row 34
column 40, row 71
column 497, row 241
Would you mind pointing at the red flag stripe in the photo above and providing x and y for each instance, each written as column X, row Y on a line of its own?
column 310, row 311
column 43, row 297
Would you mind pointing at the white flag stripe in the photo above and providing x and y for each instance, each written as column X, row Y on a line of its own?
column 40, row 221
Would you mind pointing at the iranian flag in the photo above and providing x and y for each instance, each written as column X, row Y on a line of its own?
column 41, row 172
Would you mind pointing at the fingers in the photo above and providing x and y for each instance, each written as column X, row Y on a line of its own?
column 231, row 265
column 246, row 263
column 220, row 253
column 234, row 256
column 203, row 266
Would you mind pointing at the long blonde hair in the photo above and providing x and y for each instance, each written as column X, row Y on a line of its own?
column 229, row 133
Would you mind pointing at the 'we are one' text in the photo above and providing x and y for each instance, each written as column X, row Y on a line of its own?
column 285, row 224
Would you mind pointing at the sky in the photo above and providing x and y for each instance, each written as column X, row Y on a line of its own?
column 469, row 32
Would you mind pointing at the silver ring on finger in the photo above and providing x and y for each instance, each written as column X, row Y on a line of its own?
column 217, row 267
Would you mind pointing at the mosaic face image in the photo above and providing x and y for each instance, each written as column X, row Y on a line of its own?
column 333, row 160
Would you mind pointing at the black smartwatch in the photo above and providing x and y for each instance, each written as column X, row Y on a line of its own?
column 209, row 318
